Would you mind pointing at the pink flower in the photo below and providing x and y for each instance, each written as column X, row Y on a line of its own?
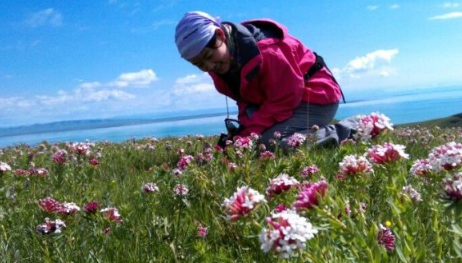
column 387, row 153
column 280, row 184
column 286, row 234
column 112, row 214
column 201, row 231
column 49, row 204
column 40, row 172
column 177, row 172
column 150, row 188
column 254, row 136
column 386, row 238
column 267, row 155
column 421, row 167
column 446, row 157
column 309, row 170
column 91, row 207
column 412, row 193
column 309, row 194
column 354, row 165
column 59, row 156
column 93, row 161
column 81, row 148
column 242, row 203
column 51, row 227
column 453, row 187
column 184, row 162
column 243, row 142
column 296, row 140
column 262, row 147
column 279, row 208
column 232, row 166
column 208, row 157
column 200, row 158
column 372, row 125
column 68, row 208
column 277, row 135
column 181, row 190
column 21, row 172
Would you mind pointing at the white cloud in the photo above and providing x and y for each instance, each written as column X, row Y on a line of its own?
column 158, row 24
column 45, row 17
column 374, row 63
column 372, row 7
column 196, row 92
column 141, row 78
column 14, row 103
column 193, row 84
column 93, row 84
column 447, row 16
column 395, row 6
column 450, row 5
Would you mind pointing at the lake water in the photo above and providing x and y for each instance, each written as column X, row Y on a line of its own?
column 399, row 106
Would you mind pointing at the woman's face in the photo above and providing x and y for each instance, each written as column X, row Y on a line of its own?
column 216, row 59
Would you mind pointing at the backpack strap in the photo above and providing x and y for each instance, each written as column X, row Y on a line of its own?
column 317, row 66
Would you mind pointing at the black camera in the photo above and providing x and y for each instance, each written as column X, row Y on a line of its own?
column 233, row 127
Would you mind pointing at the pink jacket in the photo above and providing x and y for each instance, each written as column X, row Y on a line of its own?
column 272, row 78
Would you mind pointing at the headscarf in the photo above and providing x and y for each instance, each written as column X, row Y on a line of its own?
column 194, row 31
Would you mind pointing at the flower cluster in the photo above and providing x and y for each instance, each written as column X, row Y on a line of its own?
column 180, row 190
column 421, row 167
column 453, row 187
column 286, row 234
column 242, row 203
column 389, row 152
column 412, row 193
column 446, row 157
column 91, row 207
column 309, row 170
column 184, row 162
column 354, row 165
column 280, row 184
column 59, row 156
column 386, row 238
column 267, row 155
column 4, row 167
column 112, row 214
column 51, row 227
column 243, row 142
column 296, row 140
column 150, row 188
column 81, row 148
column 202, row 231
column 309, row 195
column 50, row 205
column 371, row 125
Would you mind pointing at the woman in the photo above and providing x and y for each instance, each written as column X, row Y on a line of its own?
column 278, row 83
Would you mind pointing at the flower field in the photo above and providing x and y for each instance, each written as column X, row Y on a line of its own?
column 387, row 195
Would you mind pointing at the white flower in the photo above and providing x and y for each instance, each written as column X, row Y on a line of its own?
column 4, row 167
column 287, row 234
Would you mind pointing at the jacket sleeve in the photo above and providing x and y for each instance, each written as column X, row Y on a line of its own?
column 281, row 85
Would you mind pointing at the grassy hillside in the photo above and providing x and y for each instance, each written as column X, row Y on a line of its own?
column 447, row 122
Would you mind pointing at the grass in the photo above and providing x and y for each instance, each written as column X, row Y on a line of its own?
column 162, row 226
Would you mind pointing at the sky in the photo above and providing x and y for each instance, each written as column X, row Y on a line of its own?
column 72, row 60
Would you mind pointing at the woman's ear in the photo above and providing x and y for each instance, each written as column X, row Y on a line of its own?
column 221, row 34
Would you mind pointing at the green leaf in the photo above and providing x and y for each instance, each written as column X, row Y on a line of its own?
column 400, row 253
column 456, row 229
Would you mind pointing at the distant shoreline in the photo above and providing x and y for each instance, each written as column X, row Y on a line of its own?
column 63, row 126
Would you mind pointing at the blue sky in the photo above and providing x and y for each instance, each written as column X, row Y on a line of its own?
column 66, row 60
